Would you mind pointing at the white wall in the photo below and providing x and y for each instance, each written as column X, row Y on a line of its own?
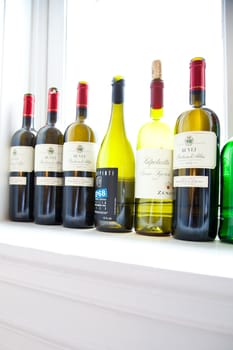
column 15, row 41
column 228, row 35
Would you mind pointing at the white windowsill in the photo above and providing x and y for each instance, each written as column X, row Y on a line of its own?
column 70, row 289
column 205, row 258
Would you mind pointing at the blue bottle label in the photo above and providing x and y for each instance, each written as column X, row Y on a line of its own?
column 106, row 194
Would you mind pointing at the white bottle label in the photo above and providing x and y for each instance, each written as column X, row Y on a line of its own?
column 21, row 158
column 79, row 181
column 48, row 157
column 79, row 156
column 191, row 181
column 49, row 181
column 17, row 180
column 195, row 149
column 153, row 174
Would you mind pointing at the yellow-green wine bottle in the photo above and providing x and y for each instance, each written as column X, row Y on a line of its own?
column 114, row 193
column 153, row 182
column 79, row 167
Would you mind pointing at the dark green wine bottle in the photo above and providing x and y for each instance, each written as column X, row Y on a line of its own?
column 196, row 165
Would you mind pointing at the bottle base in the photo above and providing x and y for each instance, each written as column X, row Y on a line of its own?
column 78, row 226
column 156, row 233
column 48, row 223
column 21, row 219
column 194, row 238
column 113, row 227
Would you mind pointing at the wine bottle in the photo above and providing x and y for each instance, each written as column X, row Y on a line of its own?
column 79, row 164
column 48, row 167
column 225, row 232
column 21, row 173
column 196, row 164
column 114, row 194
column 154, row 176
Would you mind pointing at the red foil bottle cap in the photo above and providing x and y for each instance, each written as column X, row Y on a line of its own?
column 53, row 99
column 156, row 85
column 197, row 73
column 82, row 94
column 28, row 105
column 156, row 94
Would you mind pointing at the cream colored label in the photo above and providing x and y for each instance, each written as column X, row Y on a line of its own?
column 154, row 174
column 48, row 157
column 79, row 156
column 191, row 181
column 21, row 158
column 79, row 181
column 17, row 180
column 49, row 181
column 195, row 149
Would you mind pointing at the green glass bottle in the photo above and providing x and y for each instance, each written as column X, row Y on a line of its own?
column 226, row 197
column 153, row 182
column 114, row 193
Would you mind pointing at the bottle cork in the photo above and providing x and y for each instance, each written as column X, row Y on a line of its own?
column 156, row 69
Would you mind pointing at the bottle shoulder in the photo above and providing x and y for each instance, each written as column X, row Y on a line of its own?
column 155, row 133
column 23, row 137
column 227, row 148
column 117, row 155
column 49, row 134
column 197, row 119
column 79, row 132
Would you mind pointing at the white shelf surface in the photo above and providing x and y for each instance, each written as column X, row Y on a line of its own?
column 70, row 289
column 205, row 258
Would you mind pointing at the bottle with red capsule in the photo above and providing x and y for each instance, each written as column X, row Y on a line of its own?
column 48, row 167
column 154, row 190
column 21, row 172
column 196, row 164
column 79, row 166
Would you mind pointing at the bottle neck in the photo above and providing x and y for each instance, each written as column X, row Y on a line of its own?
column 28, row 111
column 197, row 82
column 117, row 118
column 28, row 122
column 53, row 106
column 52, row 118
column 81, row 102
column 156, row 114
column 197, row 98
column 117, row 114
column 156, row 102
column 81, row 114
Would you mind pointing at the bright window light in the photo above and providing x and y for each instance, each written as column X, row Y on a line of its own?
column 110, row 37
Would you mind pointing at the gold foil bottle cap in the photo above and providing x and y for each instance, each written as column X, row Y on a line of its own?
column 156, row 69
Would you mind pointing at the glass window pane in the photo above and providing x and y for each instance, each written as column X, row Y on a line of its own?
column 109, row 37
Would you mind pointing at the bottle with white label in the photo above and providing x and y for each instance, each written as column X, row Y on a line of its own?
column 21, row 172
column 48, row 167
column 153, row 182
column 196, row 164
column 79, row 164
